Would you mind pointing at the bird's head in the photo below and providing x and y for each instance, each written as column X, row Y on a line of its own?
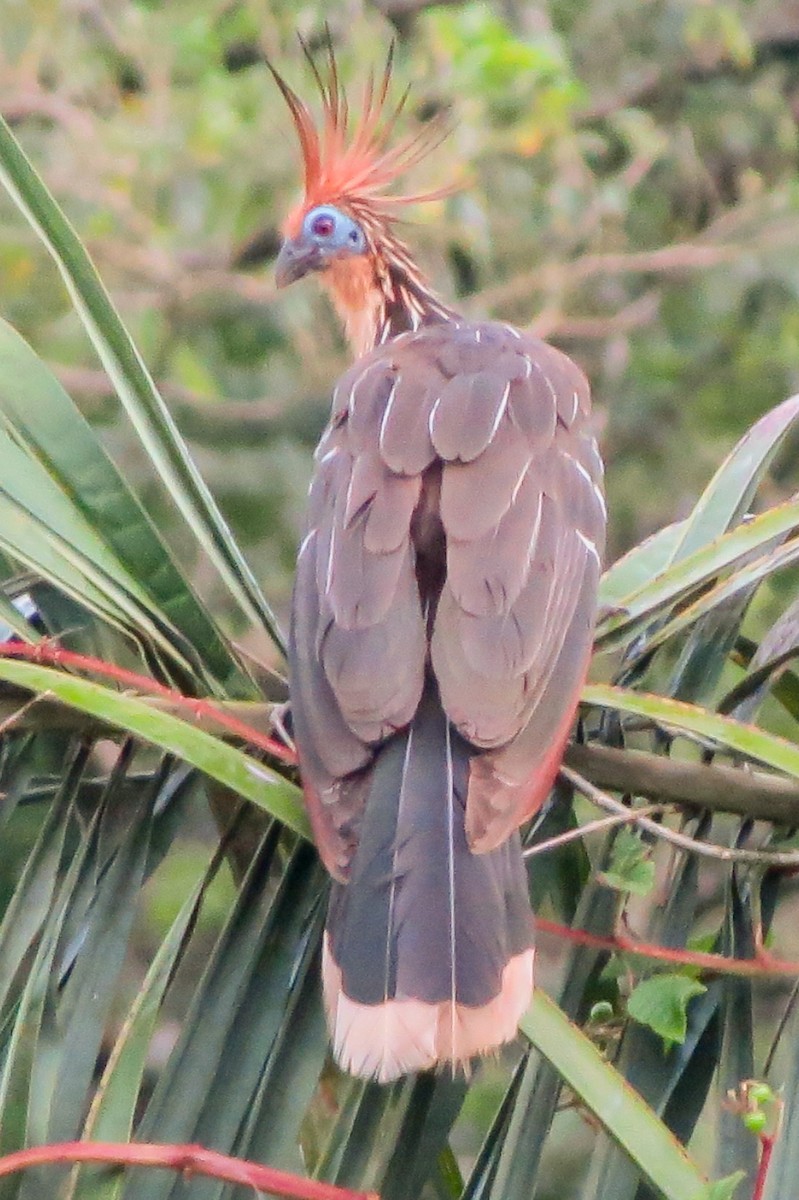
column 344, row 226
column 327, row 235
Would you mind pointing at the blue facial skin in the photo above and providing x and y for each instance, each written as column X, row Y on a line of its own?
column 327, row 234
column 333, row 231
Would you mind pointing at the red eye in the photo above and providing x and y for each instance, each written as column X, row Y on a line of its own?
column 322, row 226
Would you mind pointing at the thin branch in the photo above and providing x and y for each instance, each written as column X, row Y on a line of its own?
column 193, row 707
column 11, row 720
column 787, row 1013
column 555, row 324
column 94, row 384
column 746, row 793
column 788, row 859
column 767, row 1141
column 187, row 1160
column 762, row 966
column 629, row 817
column 676, row 259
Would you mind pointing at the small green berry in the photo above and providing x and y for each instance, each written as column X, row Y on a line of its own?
column 601, row 1011
column 760, row 1093
column 755, row 1122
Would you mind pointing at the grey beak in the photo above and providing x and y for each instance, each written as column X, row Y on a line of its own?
column 295, row 260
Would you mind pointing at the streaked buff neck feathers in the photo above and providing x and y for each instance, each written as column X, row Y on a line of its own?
column 378, row 300
column 358, row 300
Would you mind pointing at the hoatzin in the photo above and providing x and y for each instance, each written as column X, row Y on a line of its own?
column 442, row 616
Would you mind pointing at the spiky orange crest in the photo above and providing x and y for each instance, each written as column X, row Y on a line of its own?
column 353, row 167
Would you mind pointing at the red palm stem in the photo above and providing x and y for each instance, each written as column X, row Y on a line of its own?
column 189, row 1160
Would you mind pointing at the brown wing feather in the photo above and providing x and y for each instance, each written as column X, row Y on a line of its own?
column 486, row 573
column 476, row 495
column 405, row 428
column 329, row 750
column 500, row 421
column 524, row 525
column 508, row 784
column 466, row 414
column 358, row 645
column 377, row 671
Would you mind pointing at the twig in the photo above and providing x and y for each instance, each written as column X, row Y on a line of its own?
column 767, row 1141
column 188, row 1160
column 769, row 858
column 572, row 835
column 94, row 384
column 12, row 719
column 754, row 794
column 676, row 259
column 761, row 1112
column 760, row 967
column 787, row 1012
column 641, row 311
column 52, row 655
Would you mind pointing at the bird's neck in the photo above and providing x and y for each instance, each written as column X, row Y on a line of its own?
column 378, row 301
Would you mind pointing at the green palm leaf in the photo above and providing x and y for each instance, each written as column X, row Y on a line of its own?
column 150, row 416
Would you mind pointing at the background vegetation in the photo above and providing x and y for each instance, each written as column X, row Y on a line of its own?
column 630, row 191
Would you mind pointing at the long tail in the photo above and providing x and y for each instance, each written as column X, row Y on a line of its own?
column 429, row 948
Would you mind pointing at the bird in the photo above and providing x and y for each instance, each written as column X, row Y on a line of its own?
column 443, row 609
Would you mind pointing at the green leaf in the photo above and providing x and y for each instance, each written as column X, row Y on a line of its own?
column 243, row 1014
column 746, row 578
column 100, row 922
column 513, row 1149
column 390, row 1139
column 639, row 566
column 742, row 915
column 730, row 491
column 20, row 1055
column 661, row 1003
column 689, row 718
column 33, row 896
column 611, row 1100
column 631, row 868
column 42, row 528
column 238, row 771
column 675, row 1086
column 150, row 416
column 692, row 572
column 723, row 1189
column 113, row 1107
column 722, row 503
column 43, row 421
